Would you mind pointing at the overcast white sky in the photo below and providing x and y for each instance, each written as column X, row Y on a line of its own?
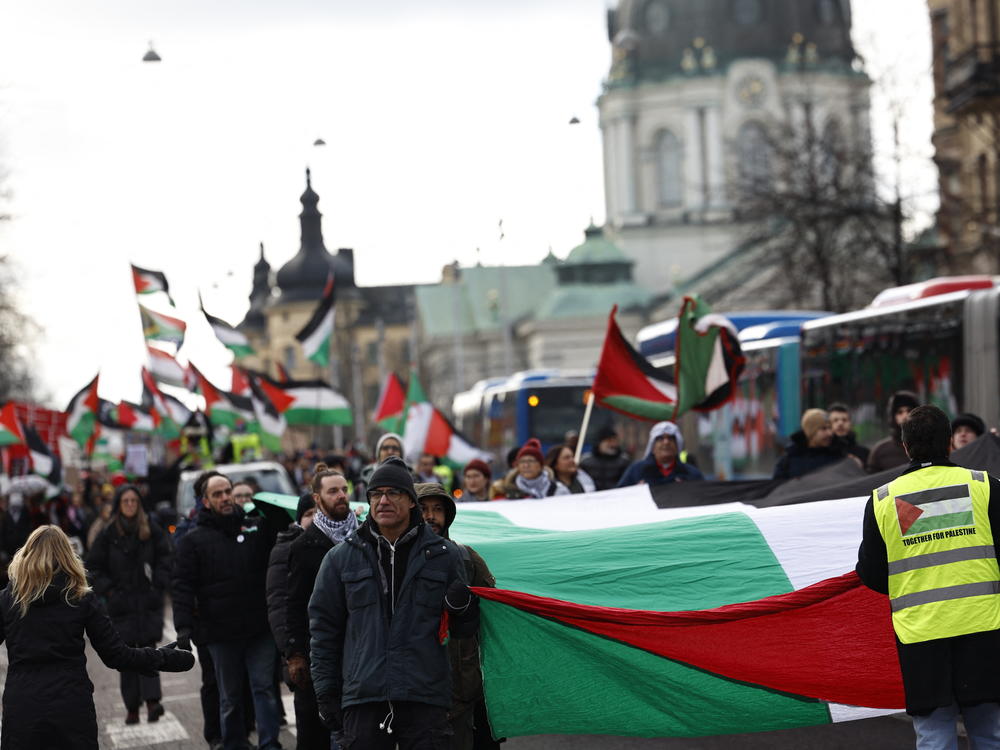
column 440, row 117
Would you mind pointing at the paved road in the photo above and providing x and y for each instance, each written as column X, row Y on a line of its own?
column 180, row 728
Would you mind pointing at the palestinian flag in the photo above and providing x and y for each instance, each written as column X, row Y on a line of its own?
column 232, row 339
column 44, row 462
column 134, row 417
column 307, row 402
column 160, row 327
column 934, row 509
column 709, row 359
column 732, row 619
column 270, row 422
column 148, row 282
column 391, row 404
column 81, row 413
column 224, row 409
column 427, row 430
column 315, row 337
column 155, row 402
column 165, row 368
column 626, row 382
column 10, row 428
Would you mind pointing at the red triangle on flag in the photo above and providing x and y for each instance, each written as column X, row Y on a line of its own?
column 438, row 435
column 9, row 422
column 126, row 415
column 279, row 398
column 392, row 399
column 241, row 385
column 141, row 284
column 907, row 514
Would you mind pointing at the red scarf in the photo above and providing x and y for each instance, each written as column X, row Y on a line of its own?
column 668, row 469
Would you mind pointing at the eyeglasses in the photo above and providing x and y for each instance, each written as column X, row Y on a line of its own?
column 393, row 495
column 391, row 448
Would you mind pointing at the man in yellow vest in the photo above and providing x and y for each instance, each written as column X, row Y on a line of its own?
column 929, row 544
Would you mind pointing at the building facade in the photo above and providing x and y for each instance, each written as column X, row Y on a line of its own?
column 966, row 48
column 692, row 92
column 373, row 331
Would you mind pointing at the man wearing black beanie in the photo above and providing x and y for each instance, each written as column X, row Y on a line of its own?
column 393, row 587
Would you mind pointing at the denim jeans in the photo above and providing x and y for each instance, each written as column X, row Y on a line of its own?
column 254, row 657
column 938, row 730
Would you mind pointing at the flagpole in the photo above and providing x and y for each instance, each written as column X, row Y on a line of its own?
column 583, row 428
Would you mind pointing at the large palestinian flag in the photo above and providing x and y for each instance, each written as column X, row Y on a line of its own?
column 164, row 367
column 684, row 622
column 315, row 337
column 81, row 413
column 626, row 382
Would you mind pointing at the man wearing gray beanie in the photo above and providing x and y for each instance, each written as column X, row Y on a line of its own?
column 392, row 587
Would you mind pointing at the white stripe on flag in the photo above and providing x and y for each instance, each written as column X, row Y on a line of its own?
column 418, row 423
column 717, row 376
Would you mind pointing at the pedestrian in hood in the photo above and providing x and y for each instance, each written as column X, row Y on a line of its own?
column 606, row 463
column 810, row 448
column 45, row 610
column 965, row 428
column 888, row 452
column 389, row 444
column 391, row 587
column 662, row 463
column 467, row 718
column 130, row 568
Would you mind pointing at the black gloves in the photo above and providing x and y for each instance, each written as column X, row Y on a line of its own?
column 330, row 713
column 183, row 640
column 174, row 659
column 458, row 598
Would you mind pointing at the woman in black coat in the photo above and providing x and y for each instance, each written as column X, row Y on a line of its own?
column 48, row 701
column 129, row 566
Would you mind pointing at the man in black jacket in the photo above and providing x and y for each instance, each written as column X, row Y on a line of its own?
column 220, row 573
column 607, row 463
column 333, row 522
column 929, row 543
column 380, row 614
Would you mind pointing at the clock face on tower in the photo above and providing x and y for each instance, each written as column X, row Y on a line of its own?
column 657, row 16
column 752, row 91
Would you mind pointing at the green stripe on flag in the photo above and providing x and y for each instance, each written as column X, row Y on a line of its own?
column 947, row 521
column 309, row 416
column 600, row 686
column 641, row 407
column 683, row 564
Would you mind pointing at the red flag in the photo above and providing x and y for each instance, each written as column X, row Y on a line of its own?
column 391, row 403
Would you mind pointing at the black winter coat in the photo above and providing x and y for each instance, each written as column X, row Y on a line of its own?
column 277, row 584
column 48, row 699
column 946, row 670
column 851, row 447
column 132, row 575
column 361, row 651
column 605, row 469
column 306, row 556
column 219, row 577
column 800, row 459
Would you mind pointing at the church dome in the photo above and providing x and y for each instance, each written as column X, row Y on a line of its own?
column 303, row 277
column 656, row 39
column 596, row 248
column 260, row 295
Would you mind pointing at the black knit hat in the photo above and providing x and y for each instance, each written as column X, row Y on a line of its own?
column 393, row 473
column 306, row 503
column 971, row 421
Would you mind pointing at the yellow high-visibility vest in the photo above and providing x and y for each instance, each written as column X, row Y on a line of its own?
column 944, row 580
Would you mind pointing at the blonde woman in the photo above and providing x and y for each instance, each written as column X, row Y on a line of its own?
column 44, row 612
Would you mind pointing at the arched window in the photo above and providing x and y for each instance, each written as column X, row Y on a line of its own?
column 669, row 163
column 753, row 149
